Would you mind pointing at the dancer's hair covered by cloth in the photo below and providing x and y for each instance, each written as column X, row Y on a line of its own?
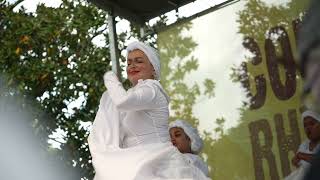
column 192, row 133
column 150, row 52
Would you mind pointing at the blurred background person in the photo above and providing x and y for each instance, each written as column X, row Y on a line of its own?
column 187, row 140
column 306, row 152
column 309, row 56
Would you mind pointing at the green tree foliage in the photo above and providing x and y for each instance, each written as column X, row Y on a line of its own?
column 255, row 20
column 176, row 50
column 50, row 58
column 220, row 129
column 177, row 62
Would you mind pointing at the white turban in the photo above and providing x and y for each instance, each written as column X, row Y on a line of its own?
column 150, row 52
column 312, row 114
column 192, row 133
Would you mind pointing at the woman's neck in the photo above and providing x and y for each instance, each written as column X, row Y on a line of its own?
column 313, row 144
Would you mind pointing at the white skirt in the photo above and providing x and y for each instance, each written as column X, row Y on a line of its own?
column 297, row 174
column 159, row 161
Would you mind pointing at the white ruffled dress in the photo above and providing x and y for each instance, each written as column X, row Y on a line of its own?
column 130, row 139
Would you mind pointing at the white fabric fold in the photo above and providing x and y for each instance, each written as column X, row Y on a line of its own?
column 131, row 114
column 198, row 162
column 105, row 133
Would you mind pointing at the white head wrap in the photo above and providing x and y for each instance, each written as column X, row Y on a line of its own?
column 150, row 52
column 192, row 133
column 312, row 114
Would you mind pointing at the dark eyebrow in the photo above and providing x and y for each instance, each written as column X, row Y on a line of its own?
column 135, row 59
column 138, row 58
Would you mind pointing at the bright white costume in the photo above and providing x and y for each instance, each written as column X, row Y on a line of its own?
column 196, row 161
column 196, row 145
column 130, row 139
column 305, row 148
column 298, row 174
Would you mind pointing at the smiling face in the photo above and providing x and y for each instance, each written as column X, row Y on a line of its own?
column 138, row 67
column 312, row 128
column 180, row 139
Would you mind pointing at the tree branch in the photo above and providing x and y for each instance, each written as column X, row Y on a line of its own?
column 98, row 33
column 15, row 4
column 57, row 141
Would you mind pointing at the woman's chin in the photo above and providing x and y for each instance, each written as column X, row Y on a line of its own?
column 133, row 81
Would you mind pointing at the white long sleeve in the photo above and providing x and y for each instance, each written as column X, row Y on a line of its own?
column 141, row 97
column 136, row 142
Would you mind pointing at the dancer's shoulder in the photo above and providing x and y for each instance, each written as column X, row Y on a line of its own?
column 151, row 82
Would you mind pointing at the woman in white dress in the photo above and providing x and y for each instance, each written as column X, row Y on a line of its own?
column 130, row 139
column 303, row 157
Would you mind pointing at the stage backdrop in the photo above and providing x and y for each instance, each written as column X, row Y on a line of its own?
column 233, row 74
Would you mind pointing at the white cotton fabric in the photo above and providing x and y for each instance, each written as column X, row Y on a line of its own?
column 299, row 173
column 150, row 52
column 197, row 162
column 192, row 133
column 312, row 114
column 130, row 139
column 305, row 148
